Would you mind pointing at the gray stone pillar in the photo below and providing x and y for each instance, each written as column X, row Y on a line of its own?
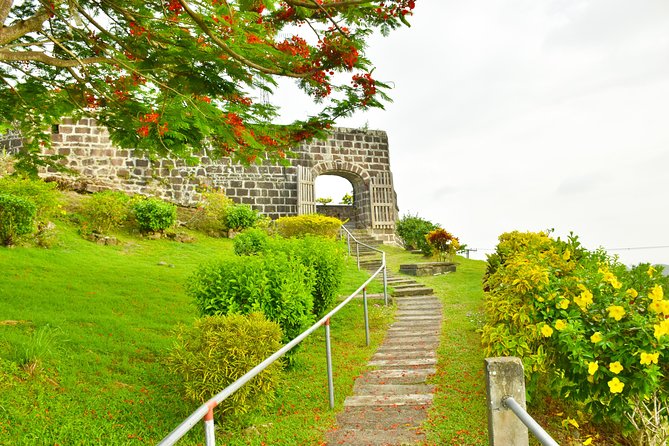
column 505, row 377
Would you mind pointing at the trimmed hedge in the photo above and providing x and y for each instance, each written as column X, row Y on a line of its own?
column 218, row 350
column 311, row 224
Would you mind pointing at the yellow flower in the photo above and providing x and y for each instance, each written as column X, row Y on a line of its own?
column 659, row 306
column 616, row 386
column 596, row 337
column 655, row 306
column 616, row 312
column 588, row 441
column 592, row 367
column 591, row 380
column 648, row 358
column 563, row 304
column 661, row 329
column 584, row 299
column 560, row 325
column 656, row 293
column 547, row 331
column 650, row 271
column 611, row 279
column 566, row 255
column 632, row 293
column 616, row 367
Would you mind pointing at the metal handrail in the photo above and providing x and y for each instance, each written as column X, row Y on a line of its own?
column 532, row 425
column 350, row 236
column 206, row 410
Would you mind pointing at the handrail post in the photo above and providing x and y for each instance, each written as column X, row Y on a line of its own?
column 209, row 428
column 348, row 242
column 364, row 304
column 505, row 377
column 328, row 358
column 385, row 281
column 357, row 254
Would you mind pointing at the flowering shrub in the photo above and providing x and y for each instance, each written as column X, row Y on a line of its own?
column 585, row 326
column 444, row 244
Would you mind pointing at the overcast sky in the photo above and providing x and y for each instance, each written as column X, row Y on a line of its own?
column 529, row 115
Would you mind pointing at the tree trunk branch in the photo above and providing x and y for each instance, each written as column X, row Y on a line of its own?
column 37, row 56
column 20, row 29
column 5, row 7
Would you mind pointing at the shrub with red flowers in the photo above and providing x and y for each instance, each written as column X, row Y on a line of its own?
column 444, row 244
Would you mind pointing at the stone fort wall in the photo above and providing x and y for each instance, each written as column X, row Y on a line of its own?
column 360, row 156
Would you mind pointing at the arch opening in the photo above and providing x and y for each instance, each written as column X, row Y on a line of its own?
column 341, row 194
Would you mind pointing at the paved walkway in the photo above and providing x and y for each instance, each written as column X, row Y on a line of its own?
column 391, row 399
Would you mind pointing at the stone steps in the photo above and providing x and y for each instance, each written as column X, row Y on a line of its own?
column 390, row 402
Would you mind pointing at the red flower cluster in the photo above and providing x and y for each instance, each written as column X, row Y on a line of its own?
column 175, row 6
column 338, row 51
column 149, row 117
column 367, row 84
column 143, row 131
column 295, row 46
column 236, row 123
column 137, row 30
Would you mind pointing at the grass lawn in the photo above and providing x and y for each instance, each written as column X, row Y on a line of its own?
column 85, row 329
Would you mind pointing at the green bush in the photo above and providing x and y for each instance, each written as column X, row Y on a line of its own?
column 17, row 217
column 325, row 257
column 251, row 241
column 413, row 230
column 43, row 195
column 218, row 350
column 274, row 284
column 240, row 217
column 310, row 224
column 211, row 215
column 154, row 215
column 104, row 211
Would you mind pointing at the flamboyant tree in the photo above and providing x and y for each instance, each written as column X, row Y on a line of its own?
column 178, row 76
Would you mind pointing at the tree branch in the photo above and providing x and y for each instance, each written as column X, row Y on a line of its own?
column 334, row 5
column 37, row 56
column 5, row 7
column 20, row 29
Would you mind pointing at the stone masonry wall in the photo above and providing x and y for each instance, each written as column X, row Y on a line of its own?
column 10, row 142
column 356, row 155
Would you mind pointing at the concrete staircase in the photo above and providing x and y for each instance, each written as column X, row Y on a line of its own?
column 390, row 401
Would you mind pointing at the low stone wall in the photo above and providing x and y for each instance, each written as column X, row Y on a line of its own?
column 427, row 268
column 341, row 211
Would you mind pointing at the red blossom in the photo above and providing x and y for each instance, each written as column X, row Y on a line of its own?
column 143, row 131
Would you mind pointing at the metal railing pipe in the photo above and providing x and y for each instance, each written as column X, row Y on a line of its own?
column 532, row 425
column 364, row 306
column 328, row 358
